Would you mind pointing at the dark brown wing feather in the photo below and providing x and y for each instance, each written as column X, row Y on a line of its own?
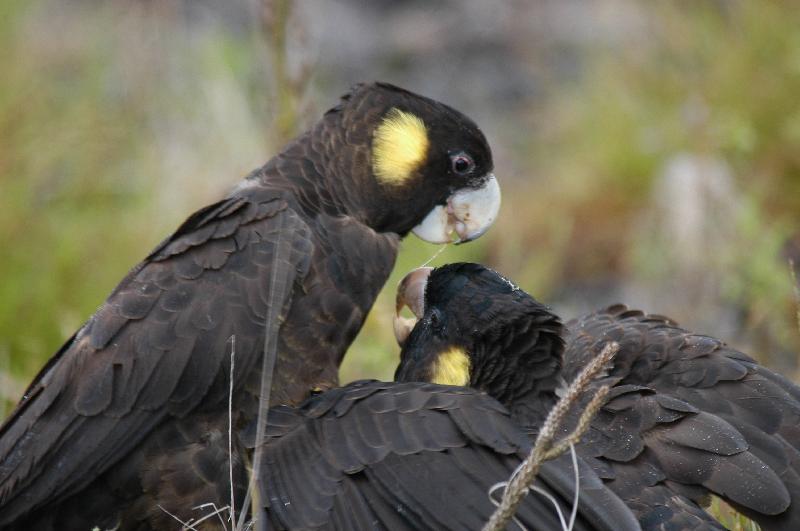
column 411, row 456
column 183, row 470
column 157, row 348
column 690, row 417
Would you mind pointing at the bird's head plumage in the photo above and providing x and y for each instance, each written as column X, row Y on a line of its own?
column 400, row 162
column 473, row 327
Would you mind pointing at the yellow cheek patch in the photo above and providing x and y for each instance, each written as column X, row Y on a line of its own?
column 399, row 147
column 452, row 367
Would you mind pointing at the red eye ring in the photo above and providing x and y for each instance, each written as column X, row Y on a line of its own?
column 462, row 163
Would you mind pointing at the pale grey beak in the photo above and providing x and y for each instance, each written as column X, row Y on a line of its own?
column 468, row 213
column 411, row 293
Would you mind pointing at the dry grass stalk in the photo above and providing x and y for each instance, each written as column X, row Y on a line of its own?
column 546, row 446
column 279, row 284
column 288, row 86
column 796, row 289
column 230, row 433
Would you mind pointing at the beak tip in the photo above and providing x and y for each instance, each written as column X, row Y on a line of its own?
column 468, row 237
column 402, row 329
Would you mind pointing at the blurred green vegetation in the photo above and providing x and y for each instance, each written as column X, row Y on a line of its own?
column 65, row 174
column 709, row 80
column 116, row 123
column 89, row 178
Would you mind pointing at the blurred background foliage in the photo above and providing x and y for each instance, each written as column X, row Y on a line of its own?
column 649, row 153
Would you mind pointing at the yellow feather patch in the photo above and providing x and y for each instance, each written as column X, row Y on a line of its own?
column 452, row 367
column 729, row 517
column 399, row 147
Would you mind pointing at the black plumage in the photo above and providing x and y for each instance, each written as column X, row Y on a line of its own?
column 376, row 455
column 311, row 236
column 688, row 417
